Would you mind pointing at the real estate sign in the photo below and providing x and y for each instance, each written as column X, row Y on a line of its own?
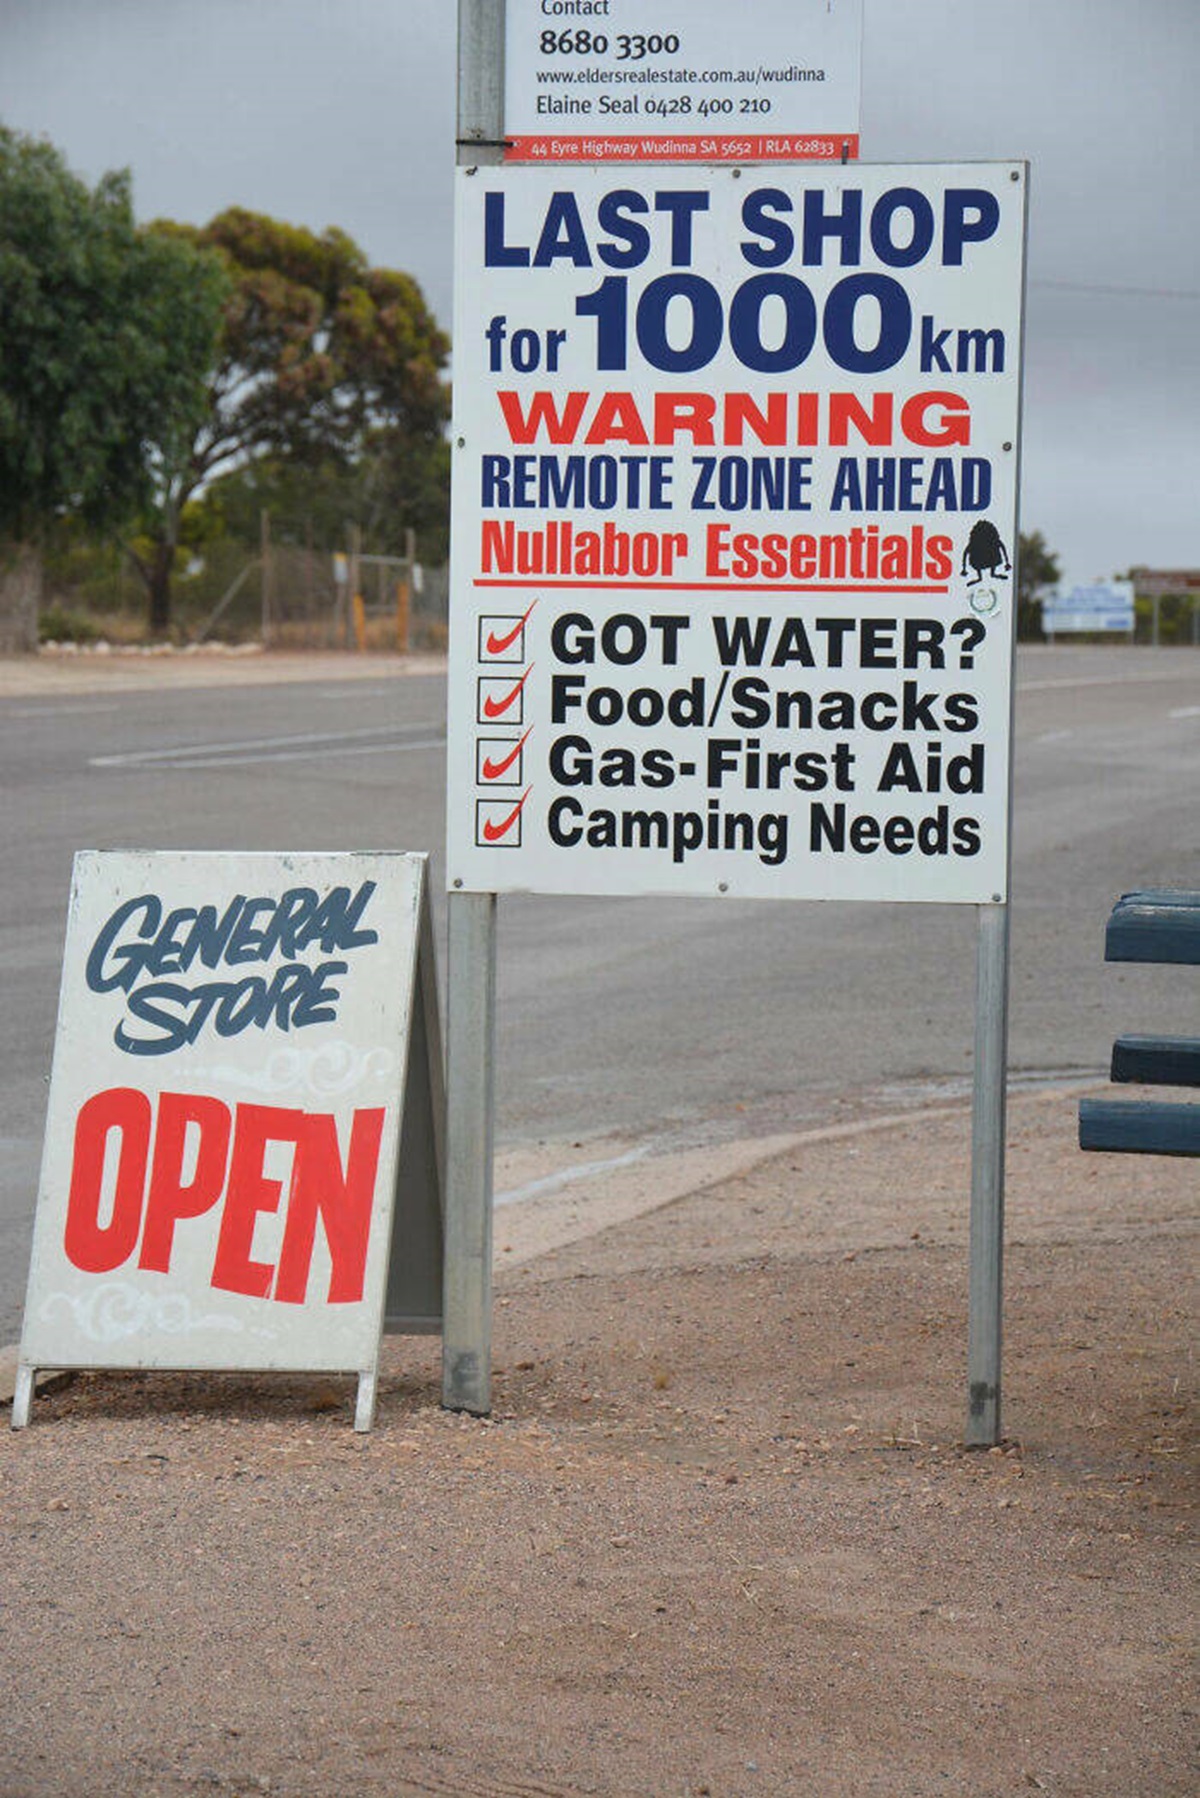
column 681, row 80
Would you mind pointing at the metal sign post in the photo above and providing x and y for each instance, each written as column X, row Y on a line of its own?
column 989, row 1101
column 471, row 962
column 986, row 1282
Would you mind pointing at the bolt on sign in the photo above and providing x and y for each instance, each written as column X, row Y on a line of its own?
column 735, row 489
column 242, row 1153
column 623, row 81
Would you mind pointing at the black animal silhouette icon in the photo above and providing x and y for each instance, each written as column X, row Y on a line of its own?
column 985, row 553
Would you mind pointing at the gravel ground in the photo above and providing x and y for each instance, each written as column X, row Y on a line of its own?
column 719, row 1536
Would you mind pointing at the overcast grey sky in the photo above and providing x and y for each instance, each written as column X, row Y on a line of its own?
column 342, row 112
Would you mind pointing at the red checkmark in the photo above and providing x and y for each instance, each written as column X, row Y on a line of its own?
column 493, row 770
column 493, row 832
column 496, row 708
column 496, row 646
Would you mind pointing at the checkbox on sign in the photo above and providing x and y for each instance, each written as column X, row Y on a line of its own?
column 498, row 822
column 502, row 637
column 501, row 698
column 499, row 761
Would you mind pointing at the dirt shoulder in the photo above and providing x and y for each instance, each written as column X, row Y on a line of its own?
column 718, row 1537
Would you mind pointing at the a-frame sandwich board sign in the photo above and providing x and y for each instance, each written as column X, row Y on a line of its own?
column 242, row 1166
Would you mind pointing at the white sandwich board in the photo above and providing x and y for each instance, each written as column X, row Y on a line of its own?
column 243, row 1143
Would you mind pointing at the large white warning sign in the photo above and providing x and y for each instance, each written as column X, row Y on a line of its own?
column 734, row 518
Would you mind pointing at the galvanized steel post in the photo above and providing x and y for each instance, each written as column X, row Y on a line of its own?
column 480, row 81
column 470, row 1050
column 471, row 965
column 986, row 1275
column 989, row 1113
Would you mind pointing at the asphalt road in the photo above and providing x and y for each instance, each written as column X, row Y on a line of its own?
column 652, row 1021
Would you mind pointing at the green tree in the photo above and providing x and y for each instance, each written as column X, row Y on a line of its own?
column 324, row 364
column 106, row 333
column 1037, row 569
column 391, row 487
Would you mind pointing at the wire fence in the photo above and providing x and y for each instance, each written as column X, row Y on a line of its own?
column 286, row 595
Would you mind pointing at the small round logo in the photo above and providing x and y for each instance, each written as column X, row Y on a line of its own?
column 984, row 600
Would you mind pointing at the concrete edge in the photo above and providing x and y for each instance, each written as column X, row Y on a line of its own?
column 49, row 677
